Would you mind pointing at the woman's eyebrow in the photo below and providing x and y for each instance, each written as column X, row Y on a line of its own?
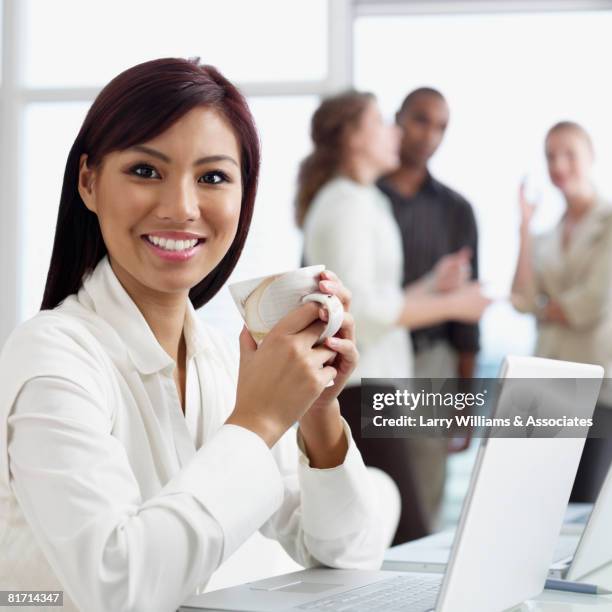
column 165, row 158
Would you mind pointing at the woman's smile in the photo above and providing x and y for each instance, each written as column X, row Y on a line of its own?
column 174, row 246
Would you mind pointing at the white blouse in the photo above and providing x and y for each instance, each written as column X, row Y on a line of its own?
column 109, row 493
column 351, row 229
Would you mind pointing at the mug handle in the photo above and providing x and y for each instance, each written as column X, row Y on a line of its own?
column 335, row 312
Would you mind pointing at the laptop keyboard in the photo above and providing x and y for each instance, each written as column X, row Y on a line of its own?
column 407, row 593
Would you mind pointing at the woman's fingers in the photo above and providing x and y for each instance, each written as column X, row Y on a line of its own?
column 527, row 207
column 344, row 342
column 247, row 344
column 297, row 319
column 347, row 329
column 335, row 287
column 344, row 347
column 322, row 354
column 329, row 275
column 327, row 375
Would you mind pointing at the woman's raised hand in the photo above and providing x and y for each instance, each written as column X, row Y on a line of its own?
column 526, row 207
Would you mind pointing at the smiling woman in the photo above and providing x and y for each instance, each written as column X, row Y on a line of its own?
column 133, row 443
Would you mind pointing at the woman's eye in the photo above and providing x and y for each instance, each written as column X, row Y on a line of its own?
column 213, row 178
column 145, row 172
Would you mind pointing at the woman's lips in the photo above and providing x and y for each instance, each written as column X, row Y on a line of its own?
column 174, row 235
column 172, row 255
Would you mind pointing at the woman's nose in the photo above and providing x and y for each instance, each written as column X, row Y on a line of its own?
column 179, row 201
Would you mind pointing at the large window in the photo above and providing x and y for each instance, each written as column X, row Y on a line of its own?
column 263, row 41
column 49, row 130
column 508, row 78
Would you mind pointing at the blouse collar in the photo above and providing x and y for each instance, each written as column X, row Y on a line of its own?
column 112, row 303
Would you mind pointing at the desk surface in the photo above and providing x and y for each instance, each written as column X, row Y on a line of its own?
column 556, row 601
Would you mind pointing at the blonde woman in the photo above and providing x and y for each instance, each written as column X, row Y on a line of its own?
column 564, row 277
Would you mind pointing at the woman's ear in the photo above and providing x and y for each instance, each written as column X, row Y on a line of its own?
column 86, row 181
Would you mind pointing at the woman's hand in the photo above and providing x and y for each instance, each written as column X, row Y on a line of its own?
column 452, row 270
column 467, row 304
column 527, row 209
column 343, row 343
column 524, row 282
column 279, row 380
column 321, row 426
column 554, row 313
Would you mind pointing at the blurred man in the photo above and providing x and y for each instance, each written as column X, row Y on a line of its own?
column 439, row 231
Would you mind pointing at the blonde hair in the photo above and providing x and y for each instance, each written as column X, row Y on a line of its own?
column 570, row 126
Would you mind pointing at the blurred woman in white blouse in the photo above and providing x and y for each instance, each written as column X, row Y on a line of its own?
column 136, row 453
column 349, row 226
column 564, row 277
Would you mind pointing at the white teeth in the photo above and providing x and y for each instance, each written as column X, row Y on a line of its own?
column 172, row 245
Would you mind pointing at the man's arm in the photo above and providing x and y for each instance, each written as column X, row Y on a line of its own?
column 465, row 337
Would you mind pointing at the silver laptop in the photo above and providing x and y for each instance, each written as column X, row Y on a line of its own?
column 511, row 518
column 431, row 553
column 594, row 548
column 585, row 543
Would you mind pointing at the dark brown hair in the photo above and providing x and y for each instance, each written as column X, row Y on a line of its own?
column 136, row 106
column 327, row 131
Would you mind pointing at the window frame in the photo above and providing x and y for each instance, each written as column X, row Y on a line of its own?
column 432, row 7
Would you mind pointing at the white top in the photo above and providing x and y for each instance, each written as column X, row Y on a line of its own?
column 109, row 493
column 351, row 229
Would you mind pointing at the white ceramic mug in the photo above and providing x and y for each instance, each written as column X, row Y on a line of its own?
column 264, row 301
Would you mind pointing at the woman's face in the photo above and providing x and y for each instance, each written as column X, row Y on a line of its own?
column 375, row 141
column 168, row 208
column 569, row 158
